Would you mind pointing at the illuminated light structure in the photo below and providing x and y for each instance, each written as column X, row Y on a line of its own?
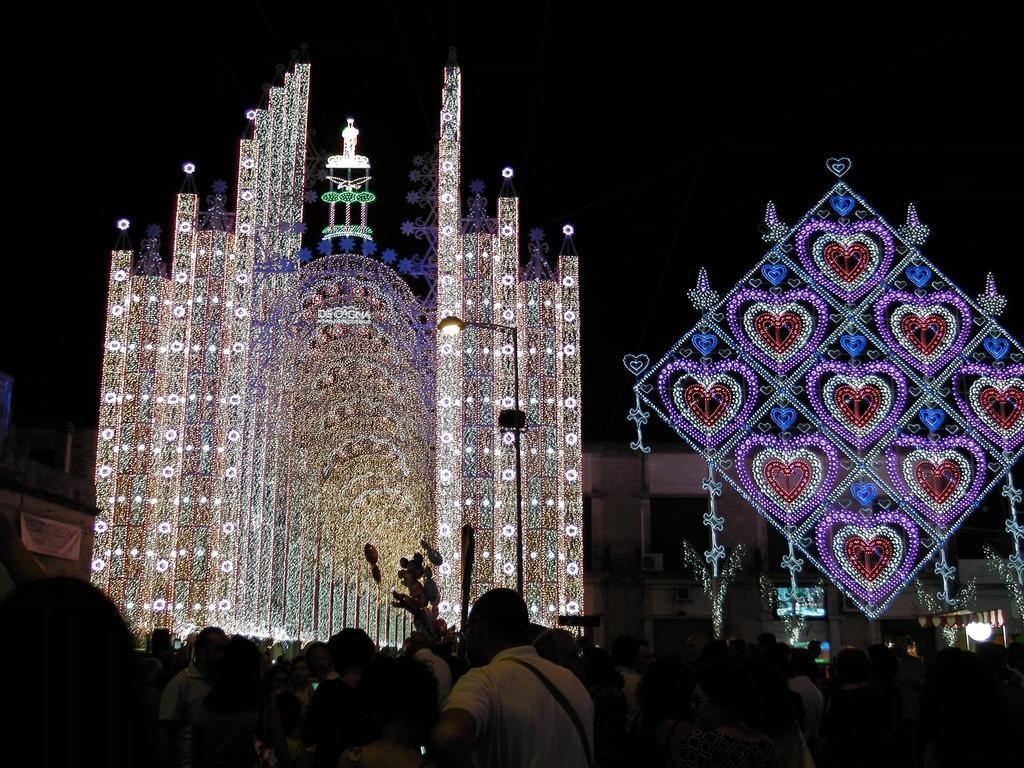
column 858, row 399
column 175, row 409
column 261, row 417
column 342, row 370
column 481, row 279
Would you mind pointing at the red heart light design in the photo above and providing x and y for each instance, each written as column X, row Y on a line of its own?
column 849, row 262
column 925, row 334
column 708, row 404
column 779, row 332
column 868, row 558
column 858, row 406
column 787, row 480
column 1004, row 407
column 940, row 480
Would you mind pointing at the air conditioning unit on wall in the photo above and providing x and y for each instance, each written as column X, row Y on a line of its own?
column 652, row 562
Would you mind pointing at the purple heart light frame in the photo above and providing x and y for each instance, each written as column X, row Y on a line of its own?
column 970, row 455
column 780, row 363
column 788, row 514
column 710, row 438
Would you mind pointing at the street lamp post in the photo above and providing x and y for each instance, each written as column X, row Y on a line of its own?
column 509, row 420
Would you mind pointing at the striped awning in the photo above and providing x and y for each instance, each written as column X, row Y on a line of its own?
column 993, row 618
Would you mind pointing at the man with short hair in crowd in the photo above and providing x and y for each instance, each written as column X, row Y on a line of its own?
column 513, row 709
column 559, row 645
column 318, row 660
column 181, row 695
column 337, row 718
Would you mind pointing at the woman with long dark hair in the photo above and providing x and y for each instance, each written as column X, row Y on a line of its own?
column 236, row 726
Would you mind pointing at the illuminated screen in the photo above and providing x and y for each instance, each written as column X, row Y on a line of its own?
column 809, row 602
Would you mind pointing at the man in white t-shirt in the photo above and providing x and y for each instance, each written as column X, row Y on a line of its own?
column 514, row 709
column 182, row 693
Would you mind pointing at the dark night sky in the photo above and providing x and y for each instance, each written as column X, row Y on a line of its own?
column 661, row 139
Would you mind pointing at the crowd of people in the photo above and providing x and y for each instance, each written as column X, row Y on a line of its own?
column 519, row 695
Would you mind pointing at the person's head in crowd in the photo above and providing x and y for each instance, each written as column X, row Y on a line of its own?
column 625, row 651
column 401, row 696
column 351, row 650
column 290, row 709
column 298, row 677
column 75, row 685
column 694, row 645
column 417, row 641
column 497, row 621
column 901, row 645
column 209, row 649
column 737, row 649
column 720, row 696
column 961, row 708
column 150, row 670
column 814, row 648
column 801, row 663
column 884, row 664
column 714, row 652
column 765, row 641
column 237, row 685
column 777, row 656
column 852, row 667
column 666, row 691
column 559, row 645
column 318, row 659
column 644, row 655
column 600, row 669
column 994, row 655
column 279, row 675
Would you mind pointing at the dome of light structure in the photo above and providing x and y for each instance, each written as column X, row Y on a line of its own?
column 356, row 467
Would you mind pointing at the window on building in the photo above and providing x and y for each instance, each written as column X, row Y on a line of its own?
column 674, row 518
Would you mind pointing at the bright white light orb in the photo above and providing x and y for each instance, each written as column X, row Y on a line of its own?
column 979, row 632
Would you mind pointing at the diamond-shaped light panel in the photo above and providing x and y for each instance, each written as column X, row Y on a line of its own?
column 856, row 397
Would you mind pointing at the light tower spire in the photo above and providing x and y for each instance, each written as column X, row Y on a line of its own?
column 349, row 174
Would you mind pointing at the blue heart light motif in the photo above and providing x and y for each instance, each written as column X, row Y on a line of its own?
column 853, row 343
column 784, row 417
column 775, row 273
column 932, row 418
column 919, row 276
column 997, row 347
column 704, row 342
column 842, row 204
column 864, row 493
